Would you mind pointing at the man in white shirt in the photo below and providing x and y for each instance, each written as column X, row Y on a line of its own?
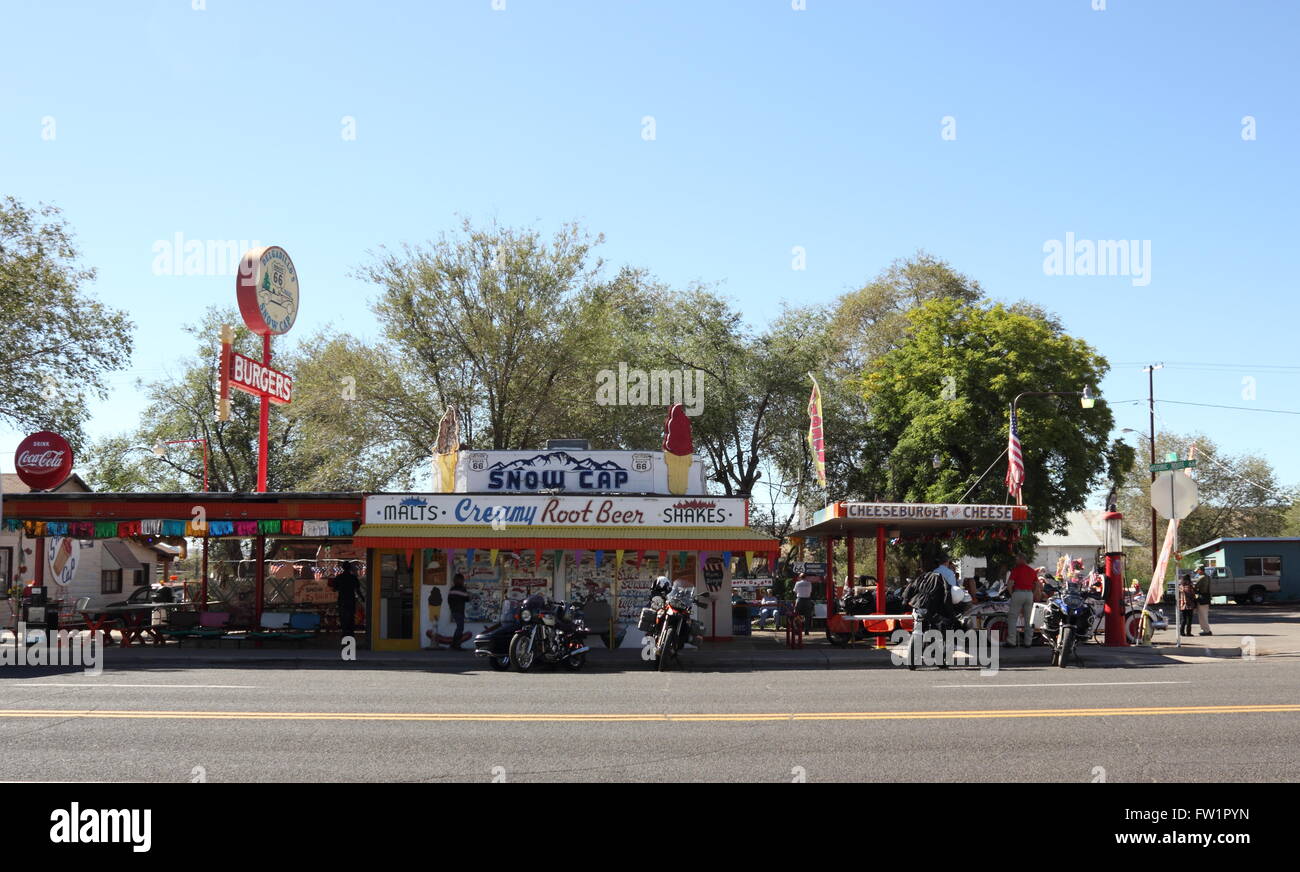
column 803, row 604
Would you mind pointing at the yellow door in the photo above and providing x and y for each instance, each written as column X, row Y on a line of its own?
column 392, row 601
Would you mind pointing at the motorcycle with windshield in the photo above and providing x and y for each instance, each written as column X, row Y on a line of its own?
column 1072, row 617
column 551, row 633
column 668, row 624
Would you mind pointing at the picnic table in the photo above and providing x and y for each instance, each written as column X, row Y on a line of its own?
column 136, row 621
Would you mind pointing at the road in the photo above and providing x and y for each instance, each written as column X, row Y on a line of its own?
column 1229, row 720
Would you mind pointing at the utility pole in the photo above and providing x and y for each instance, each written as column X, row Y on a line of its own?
column 1151, row 404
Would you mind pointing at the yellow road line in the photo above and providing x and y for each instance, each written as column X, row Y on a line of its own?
column 741, row 717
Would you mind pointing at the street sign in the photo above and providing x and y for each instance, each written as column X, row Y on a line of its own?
column 1172, row 464
column 1174, row 496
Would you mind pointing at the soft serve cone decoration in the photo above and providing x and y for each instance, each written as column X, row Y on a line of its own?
column 678, row 451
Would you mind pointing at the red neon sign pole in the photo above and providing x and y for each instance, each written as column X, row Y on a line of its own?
column 267, row 291
column 263, row 420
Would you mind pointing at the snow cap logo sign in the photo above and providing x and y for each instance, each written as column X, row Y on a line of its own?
column 43, row 460
column 267, row 290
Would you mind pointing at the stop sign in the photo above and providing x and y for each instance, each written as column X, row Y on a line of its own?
column 1174, row 495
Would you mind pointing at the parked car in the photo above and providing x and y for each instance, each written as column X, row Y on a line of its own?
column 1241, row 588
column 154, row 593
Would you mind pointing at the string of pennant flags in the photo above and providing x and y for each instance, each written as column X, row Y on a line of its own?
column 168, row 528
column 601, row 556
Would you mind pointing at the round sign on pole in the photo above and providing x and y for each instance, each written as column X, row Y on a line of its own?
column 43, row 460
column 1174, row 495
column 267, row 290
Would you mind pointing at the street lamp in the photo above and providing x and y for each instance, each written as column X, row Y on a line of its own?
column 1087, row 399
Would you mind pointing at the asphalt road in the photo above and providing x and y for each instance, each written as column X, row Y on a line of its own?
column 1229, row 720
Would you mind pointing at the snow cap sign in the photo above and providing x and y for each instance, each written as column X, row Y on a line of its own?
column 267, row 290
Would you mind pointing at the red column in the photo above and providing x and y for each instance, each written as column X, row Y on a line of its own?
column 203, row 585
column 263, row 427
column 1115, row 635
column 853, row 570
column 880, row 578
column 830, row 573
column 259, row 578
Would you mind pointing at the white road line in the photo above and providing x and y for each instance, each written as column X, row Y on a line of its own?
column 21, row 684
column 1065, row 684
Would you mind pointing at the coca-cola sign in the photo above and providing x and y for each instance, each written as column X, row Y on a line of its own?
column 43, row 460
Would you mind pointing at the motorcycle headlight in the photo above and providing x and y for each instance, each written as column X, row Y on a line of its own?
column 526, row 615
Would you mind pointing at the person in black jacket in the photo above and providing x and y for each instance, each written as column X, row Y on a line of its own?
column 456, row 599
column 348, row 587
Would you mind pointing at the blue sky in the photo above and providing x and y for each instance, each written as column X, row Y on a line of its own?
column 774, row 128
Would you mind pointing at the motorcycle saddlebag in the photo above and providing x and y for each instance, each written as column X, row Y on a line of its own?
column 646, row 623
column 1038, row 617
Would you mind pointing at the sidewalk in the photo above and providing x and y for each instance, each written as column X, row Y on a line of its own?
column 1274, row 631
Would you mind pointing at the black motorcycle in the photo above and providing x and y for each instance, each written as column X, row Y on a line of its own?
column 494, row 642
column 1070, row 620
column 550, row 633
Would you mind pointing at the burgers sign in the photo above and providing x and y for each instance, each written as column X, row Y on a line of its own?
column 43, row 460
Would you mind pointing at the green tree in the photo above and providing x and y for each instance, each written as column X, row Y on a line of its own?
column 945, row 393
column 59, row 341
column 499, row 322
column 320, row 442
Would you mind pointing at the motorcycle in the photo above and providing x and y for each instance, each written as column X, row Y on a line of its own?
column 668, row 624
column 1071, row 619
column 494, row 642
column 548, row 632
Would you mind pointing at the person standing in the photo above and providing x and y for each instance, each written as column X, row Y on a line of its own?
column 456, row 599
column 1186, row 604
column 1203, row 600
column 803, row 604
column 348, row 587
column 1024, row 583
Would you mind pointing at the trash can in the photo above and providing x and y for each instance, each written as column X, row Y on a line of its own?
column 740, row 620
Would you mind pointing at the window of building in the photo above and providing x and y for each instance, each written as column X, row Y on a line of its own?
column 1263, row 566
column 138, row 578
column 110, row 581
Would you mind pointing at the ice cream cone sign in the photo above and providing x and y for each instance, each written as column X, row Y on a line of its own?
column 678, row 450
column 448, row 451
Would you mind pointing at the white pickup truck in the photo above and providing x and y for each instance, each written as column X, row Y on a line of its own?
column 1242, row 588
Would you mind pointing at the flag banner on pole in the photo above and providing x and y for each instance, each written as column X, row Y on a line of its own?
column 816, row 439
column 1015, row 462
column 1157, row 590
column 618, row 558
column 469, row 558
column 492, row 556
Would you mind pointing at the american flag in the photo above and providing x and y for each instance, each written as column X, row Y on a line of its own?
column 1015, row 462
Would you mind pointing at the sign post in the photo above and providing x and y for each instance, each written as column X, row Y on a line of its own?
column 267, row 291
column 1173, row 497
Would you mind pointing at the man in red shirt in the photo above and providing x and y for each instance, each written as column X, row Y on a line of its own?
column 1024, row 582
